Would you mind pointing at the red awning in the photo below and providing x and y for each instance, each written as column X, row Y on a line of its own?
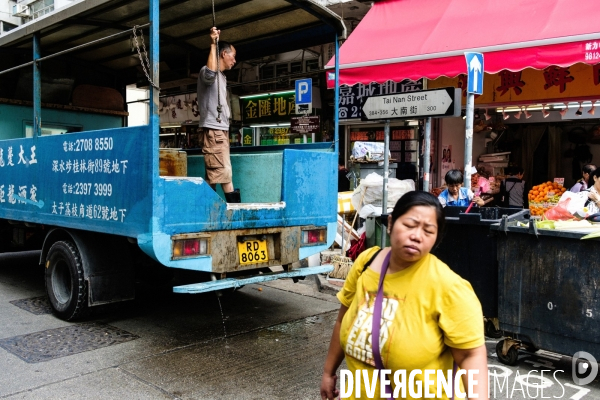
column 412, row 39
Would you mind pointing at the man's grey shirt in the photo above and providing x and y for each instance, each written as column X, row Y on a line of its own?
column 208, row 100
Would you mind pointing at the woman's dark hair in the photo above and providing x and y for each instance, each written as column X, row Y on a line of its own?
column 588, row 168
column 453, row 177
column 594, row 173
column 420, row 198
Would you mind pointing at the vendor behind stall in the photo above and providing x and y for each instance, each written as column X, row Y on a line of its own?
column 512, row 189
column 593, row 203
column 455, row 194
column 582, row 184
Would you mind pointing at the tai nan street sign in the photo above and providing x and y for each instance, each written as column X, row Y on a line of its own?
column 444, row 102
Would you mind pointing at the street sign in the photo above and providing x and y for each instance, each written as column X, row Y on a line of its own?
column 304, row 108
column 304, row 91
column 475, row 72
column 444, row 102
column 305, row 125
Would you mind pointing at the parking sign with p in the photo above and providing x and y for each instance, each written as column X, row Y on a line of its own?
column 304, row 91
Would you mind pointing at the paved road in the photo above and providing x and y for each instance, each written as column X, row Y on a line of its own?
column 269, row 343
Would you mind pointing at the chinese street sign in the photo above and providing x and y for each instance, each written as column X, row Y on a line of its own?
column 351, row 96
column 305, row 125
column 427, row 103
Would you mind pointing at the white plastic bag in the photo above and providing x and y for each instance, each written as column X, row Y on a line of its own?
column 370, row 191
column 577, row 202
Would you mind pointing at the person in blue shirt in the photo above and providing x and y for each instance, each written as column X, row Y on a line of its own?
column 455, row 194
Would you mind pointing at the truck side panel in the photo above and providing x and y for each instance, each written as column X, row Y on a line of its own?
column 97, row 180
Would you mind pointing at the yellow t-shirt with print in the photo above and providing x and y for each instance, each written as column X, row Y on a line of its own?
column 426, row 308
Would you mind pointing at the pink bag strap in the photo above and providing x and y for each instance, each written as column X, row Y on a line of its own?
column 377, row 320
column 375, row 330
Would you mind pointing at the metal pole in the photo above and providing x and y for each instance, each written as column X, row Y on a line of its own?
column 336, row 122
column 469, row 139
column 37, row 88
column 154, row 93
column 427, row 154
column 386, row 172
column 336, row 99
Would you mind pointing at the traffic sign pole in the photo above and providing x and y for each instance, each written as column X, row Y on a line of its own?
column 475, row 71
column 386, row 172
column 469, row 139
column 427, row 154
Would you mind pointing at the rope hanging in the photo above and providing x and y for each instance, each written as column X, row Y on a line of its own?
column 219, row 107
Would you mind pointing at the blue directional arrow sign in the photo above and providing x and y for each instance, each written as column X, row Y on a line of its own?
column 475, row 70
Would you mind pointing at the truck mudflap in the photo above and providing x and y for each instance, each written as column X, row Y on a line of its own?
column 239, row 282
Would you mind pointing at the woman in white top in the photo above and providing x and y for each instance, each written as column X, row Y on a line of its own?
column 593, row 203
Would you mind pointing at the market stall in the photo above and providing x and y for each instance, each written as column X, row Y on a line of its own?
column 434, row 43
column 541, row 81
column 547, row 294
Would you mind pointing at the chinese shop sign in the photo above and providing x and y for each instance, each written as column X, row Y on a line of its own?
column 268, row 108
column 553, row 82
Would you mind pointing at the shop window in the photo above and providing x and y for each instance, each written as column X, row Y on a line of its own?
column 7, row 27
column 312, row 65
column 296, row 67
column 282, row 72
column 267, row 72
column 278, row 74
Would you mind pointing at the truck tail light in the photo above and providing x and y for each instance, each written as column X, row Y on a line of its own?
column 314, row 236
column 190, row 247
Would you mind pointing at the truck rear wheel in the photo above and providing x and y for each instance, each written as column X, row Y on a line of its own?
column 65, row 282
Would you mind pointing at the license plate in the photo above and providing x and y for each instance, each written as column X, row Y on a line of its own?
column 253, row 252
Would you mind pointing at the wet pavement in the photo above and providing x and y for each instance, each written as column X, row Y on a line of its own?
column 269, row 343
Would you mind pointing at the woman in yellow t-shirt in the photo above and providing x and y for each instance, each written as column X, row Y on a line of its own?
column 430, row 316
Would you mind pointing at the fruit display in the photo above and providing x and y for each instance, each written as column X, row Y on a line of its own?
column 544, row 196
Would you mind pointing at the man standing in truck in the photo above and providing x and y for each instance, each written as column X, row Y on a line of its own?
column 214, row 115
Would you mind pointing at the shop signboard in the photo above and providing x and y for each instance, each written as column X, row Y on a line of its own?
column 443, row 102
column 351, row 96
column 268, row 107
column 305, row 125
column 530, row 85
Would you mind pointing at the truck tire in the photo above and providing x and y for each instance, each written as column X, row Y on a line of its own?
column 511, row 357
column 65, row 282
column 490, row 330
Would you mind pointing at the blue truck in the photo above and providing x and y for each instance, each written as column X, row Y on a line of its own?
column 80, row 185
